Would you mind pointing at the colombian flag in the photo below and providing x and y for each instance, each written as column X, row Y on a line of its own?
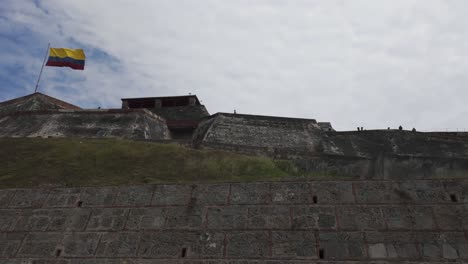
column 73, row 58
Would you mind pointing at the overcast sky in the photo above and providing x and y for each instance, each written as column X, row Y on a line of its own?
column 370, row 63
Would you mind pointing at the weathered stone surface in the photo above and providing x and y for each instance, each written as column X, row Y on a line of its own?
column 10, row 243
column 210, row 194
column 183, row 217
column 5, row 197
column 171, row 195
column 80, row 244
column 342, row 245
column 131, row 124
column 170, row 244
column 52, row 220
column 247, row 244
column 451, row 217
column 97, row 197
column 7, row 219
column 269, row 217
column 134, row 196
column 40, row 245
column 227, row 217
column 443, row 245
column 424, row 191
column 312, row 217
column 63, row 197
column 379, row 192
column 391, row 225
column 392, row 245
column 146, row 218
column 458, row 189
column 333, row 192
column 122, row 244
column 360, row 218
column 293, row 244
column 29, row 198
column 291, row 193
column 409, row 217
column 107, row 219
column 250, row 193
column 454, row 245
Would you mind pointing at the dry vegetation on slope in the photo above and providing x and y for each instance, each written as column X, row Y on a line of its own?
column 97, row 162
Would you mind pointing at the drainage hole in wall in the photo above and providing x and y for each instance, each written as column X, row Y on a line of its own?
column 314, row 199
column 321, row 253
column 184, row 252
column 79, row 204
column 58, row 252
column 454, row 198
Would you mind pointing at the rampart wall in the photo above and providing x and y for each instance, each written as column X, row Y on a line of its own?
column 105, row 123
column 372, row 221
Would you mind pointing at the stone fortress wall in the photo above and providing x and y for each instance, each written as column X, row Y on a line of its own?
column 378, row 196
column 351, row 221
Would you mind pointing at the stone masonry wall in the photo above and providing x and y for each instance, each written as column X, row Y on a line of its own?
column 102, row 123
column 376, row 221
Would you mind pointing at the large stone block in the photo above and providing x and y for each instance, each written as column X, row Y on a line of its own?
column 443, row 245
column 69, row 219
column 184, row 217
column 392, row 245
column 451, row 217
column 10, row 243
column 134, row 196
column 63, row 197
column 409, row 217
column 210, row 194
column 32, row 220
column 293, row 244
column 313, row 217
column 172, row 244
column 430, row 245
column 269, row 217
column 250, row 193
column 457, row 190
column 454, row 245
column 231, row 217
column 291, row 193
column 29, row 198
column 253, row 244
column 171, row 195
column 424, row 191
column 146, row 219
column 52, row 220
column 40, row 245
column 332, row 192
column 379, row 192
column 107, row 219
column 97, row 196
column 342, row 245
column 5, row 197
column 7, row 219
column 360, row 218
column 124, row 244
column 80, row 244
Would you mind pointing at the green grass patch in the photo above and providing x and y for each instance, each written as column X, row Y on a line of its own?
column 27, row 162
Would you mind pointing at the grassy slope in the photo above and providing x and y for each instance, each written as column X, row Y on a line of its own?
column 86, row 162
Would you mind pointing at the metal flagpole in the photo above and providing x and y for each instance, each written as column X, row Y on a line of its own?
column 43, row 63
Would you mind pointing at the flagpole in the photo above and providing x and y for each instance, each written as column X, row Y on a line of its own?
column 43, row 63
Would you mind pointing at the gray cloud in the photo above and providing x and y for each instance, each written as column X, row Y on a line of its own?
column 354, row 63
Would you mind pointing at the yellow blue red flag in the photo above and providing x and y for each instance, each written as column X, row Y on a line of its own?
column 60, row 57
